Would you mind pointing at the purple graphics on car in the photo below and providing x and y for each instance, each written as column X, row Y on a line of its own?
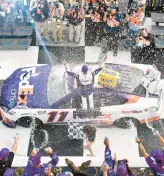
column 26, row 86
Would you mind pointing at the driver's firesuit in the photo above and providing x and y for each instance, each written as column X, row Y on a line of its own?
column 86, row 81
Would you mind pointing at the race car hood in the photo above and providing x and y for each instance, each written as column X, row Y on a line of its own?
column 26, row 86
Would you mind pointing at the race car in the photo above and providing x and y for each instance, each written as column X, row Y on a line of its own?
column 45, row 94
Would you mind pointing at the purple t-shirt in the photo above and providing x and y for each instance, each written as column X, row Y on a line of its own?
column 157, row 170
column 110, row 161
column 31, row 170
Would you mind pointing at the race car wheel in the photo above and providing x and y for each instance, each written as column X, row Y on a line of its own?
column 27, row 122
column 125, row 122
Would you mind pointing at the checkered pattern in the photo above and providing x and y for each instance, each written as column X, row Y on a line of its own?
column 75, row 130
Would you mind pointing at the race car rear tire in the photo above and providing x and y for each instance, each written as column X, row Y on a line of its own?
column 125, row 122
column 27, row 122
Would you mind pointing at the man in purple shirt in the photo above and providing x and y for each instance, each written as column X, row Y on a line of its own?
column 123, row 168
column 34, row 166
column 156, row 158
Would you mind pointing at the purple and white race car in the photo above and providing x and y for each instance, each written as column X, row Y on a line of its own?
column 48, row 95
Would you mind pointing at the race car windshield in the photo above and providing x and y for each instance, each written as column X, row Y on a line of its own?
column 56, row 88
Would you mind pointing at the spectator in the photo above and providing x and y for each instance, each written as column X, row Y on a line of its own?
column 34, row 165
column 111, row 162
column 123, row 168
column 6, row 157
column 57, row 13
column 75, row 15
column 134, row 18
column 112, row 29
column 90, row 134
column 147, row 45
column 157, row 163
column 9, row 172
column 40, row 13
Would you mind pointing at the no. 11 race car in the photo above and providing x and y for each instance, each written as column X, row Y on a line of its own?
column 48, row 95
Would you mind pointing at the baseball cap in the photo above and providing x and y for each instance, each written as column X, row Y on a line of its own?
column 84, row 68
column 4, row 153
column 157, row 155
column 121, row 169
column 9, row 172
column 37, row 158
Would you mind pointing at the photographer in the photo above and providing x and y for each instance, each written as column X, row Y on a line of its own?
column 96, row 23
column 146, row 45
column 134, row 18
column 112, row 30
column 7, row 11
column 40, row 13
column 123, row 168
column 57, row 13
column 76, row 16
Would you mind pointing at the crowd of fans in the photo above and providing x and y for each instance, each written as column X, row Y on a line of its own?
column 111, row 166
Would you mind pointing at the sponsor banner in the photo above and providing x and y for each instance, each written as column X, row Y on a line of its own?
column 108, row 78
column 15, row 44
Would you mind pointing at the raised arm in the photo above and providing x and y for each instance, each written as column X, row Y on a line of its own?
column 141, row 147
column 30, row 165
column 54, row 157
column 15, row 144
column 160, row 138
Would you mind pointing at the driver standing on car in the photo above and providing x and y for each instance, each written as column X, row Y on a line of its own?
column 86, row 80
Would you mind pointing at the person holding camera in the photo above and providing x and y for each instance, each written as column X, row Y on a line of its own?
column 156, row 158
column 123, row 168
column 34, row 166
column 134, row 18
column 112, row 30
column 7, row 11
column 57, row 13
column 96, row 24
column 76, row 16
column 40, row 13
column 145, row 42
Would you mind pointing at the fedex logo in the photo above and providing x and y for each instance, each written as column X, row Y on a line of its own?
column 25, row 88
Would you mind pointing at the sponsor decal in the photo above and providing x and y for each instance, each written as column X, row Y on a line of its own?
column 57, row 116
column 131, row 112
column 104, row 119
column 13, row 97
column 108, row 78
column 25, row 88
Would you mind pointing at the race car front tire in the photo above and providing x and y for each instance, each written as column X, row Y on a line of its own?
column 27, row 122
column 125, row 122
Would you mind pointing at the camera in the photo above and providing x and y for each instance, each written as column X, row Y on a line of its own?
column 133, row 8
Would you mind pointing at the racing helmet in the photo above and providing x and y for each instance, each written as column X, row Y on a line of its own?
column 84, row 68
